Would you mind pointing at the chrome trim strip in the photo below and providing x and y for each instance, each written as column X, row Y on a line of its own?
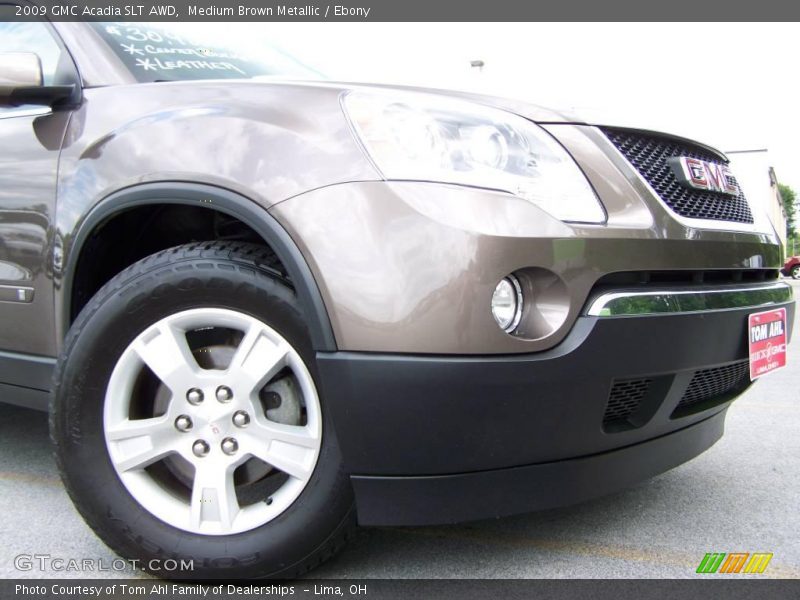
column 637, row 303
column 12, row 113
column 520, row 307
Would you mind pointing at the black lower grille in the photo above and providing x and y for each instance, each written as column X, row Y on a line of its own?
column 686, row 277
column 711, row 386
column 624, row 400
column 649, row 154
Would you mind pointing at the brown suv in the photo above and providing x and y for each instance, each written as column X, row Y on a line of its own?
column 264, row 307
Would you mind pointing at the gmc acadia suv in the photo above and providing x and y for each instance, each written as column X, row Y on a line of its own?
column 262, row 308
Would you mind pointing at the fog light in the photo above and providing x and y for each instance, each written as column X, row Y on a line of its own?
column 507, row 303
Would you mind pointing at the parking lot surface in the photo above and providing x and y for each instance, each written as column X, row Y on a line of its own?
column 740, row 496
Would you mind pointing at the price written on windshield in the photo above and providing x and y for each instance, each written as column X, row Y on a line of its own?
column 159, row 50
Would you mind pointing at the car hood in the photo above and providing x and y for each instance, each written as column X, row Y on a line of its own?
column 529, row 110
column 546, row 115
column 541, row 114
column 533, row 112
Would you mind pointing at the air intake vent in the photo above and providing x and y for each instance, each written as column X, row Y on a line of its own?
column 624, row 400
column 713, row 386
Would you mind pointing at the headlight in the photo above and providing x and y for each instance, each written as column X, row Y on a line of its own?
column 424, row 137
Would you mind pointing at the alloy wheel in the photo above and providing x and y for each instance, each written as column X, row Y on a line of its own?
column 212, row 421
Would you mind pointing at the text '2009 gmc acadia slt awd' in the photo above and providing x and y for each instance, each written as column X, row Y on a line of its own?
column 263, row 310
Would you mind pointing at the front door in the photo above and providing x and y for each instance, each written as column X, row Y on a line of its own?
column 30, row 141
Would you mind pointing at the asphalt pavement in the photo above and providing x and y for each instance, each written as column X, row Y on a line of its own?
column 741, row 496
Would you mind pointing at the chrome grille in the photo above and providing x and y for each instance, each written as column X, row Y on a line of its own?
column 649, row 153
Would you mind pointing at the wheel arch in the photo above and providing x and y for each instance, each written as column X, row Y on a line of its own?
column 211, row 197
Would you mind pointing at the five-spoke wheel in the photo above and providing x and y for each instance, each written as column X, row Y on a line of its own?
column 213, row 420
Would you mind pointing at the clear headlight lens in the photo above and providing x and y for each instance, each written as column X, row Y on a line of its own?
column 424, row 137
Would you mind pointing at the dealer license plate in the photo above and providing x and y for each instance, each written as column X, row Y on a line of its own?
column 767, row 337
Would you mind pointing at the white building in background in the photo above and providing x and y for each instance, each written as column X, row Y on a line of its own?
column 758, row 182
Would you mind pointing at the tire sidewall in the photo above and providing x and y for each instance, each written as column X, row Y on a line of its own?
column 111, row 325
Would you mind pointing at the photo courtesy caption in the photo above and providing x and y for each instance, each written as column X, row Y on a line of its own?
column 177, row 589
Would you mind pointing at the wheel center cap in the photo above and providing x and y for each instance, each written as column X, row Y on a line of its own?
column 216, row 421
column 216, row 428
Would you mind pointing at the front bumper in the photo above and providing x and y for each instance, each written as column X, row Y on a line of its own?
column 442, row 499
column 410, row 267
column 447, row 439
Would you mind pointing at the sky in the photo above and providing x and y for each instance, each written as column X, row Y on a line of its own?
column 731, row 85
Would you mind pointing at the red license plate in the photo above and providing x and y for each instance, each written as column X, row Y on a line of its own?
column 767, row 335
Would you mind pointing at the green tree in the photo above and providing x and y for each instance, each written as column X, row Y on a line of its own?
column 789, row 197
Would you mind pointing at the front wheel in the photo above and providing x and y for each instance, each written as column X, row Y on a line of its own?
column 188, row 423
column 796, row 272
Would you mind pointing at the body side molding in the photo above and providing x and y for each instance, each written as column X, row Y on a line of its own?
column 26, row 370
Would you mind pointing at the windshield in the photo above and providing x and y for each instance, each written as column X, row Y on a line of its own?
column 185, row 51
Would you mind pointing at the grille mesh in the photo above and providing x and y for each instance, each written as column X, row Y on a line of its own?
column 713, row 384
column 649, row 154
column 624, row 399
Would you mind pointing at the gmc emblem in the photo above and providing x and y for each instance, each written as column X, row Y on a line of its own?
column 704, row 175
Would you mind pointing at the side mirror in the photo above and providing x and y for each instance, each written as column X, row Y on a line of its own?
column 20, row 69
column 22, row 82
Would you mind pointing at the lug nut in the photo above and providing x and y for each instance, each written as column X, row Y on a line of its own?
column 241, row 418
column 194, row 396
column 200, row 448
column 183, row 423
column 230, row 446
column 224, row 393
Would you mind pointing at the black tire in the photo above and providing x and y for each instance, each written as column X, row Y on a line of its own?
column 224, row 275
column 796, row 272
